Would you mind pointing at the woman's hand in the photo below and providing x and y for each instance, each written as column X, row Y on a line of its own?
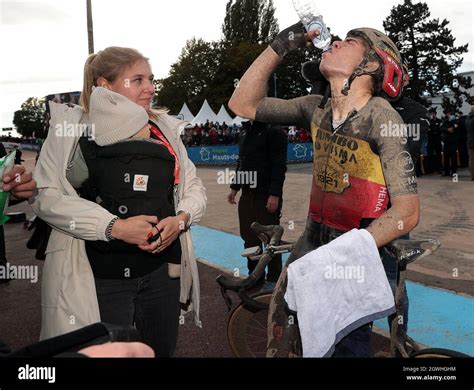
column 172, row 228
column 134, row 230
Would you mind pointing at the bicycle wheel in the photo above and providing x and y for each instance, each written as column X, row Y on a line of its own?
column 247, row 330
column 437, row 353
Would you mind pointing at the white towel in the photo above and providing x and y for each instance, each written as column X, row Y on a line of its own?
column 336, row 289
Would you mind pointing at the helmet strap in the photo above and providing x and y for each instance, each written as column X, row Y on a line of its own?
column 325, row 97
column 359, row 71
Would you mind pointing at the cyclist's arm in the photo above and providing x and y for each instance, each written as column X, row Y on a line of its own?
column 400, row 176
column 297, row 111
column 252, row 88
column 399, row 220
column 249, row 98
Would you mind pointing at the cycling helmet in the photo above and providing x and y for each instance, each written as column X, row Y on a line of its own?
column 390, row 77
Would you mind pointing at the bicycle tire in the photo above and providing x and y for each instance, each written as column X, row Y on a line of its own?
column 247, row 329
column 438, row 353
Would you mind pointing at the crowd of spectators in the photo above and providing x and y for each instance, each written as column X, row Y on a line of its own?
column 211, row 133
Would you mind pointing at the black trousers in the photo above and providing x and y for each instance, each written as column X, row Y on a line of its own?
column 253, row 208
column 450, row 160
column 434, row 155
column 150, row 302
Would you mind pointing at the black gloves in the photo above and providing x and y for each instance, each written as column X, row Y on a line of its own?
column 289, row 39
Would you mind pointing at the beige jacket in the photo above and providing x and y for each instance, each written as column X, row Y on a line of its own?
column 68, row 295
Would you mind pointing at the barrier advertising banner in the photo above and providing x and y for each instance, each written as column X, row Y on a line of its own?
column 228, row 155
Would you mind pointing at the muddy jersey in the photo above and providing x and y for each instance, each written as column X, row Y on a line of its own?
column 358, row 167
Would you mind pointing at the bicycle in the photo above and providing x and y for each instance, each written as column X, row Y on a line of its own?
column 247, row 324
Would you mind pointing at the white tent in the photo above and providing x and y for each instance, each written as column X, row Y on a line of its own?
column 224, row 116
column 185, row 114
column 238, row 120
column 204, row 114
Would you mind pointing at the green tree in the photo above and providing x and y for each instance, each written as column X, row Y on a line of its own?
column 233, row 62
column 212, row 70
column 250, row 21
column 29, row 120
column 428, row 47
column 190, row 77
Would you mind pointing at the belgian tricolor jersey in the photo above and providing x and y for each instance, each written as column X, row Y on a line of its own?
column 358, row 167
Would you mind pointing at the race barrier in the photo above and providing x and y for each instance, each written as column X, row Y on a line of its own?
column 228, row 155
column 13, row 145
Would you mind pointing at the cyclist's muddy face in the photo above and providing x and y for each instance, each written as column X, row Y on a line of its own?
column 343, row 58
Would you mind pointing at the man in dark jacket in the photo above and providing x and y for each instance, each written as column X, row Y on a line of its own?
column 450, row 140
column 260, row 174
column 462, row 140
column 434, row 143
column 470, row 140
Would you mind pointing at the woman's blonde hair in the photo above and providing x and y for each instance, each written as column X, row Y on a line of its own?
column 109, row 64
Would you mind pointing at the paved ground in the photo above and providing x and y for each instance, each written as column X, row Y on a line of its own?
column 447, row 214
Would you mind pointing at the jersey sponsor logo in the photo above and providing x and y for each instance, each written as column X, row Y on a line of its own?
column 407, row 181
column 405, row 162
column 381, row 200
column 140, row 183
column 339, row 147
column 331, row 178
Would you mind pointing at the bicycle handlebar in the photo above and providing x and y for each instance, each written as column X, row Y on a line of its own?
column 268, row 234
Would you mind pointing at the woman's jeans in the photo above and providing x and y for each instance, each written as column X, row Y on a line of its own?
column 151, row 303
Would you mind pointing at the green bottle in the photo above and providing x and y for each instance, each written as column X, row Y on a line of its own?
column 6, row 163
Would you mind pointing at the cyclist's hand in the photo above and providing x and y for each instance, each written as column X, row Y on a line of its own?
column 272, row 203
column 231, row 197
column 119, row 350
column 134, row 230
column 292, row 38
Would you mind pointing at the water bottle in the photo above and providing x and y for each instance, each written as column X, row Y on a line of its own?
column 313, row 20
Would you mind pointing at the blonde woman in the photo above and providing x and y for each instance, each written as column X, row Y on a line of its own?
column 120, row 200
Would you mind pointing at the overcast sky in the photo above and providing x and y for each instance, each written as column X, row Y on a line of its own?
column 44, row 42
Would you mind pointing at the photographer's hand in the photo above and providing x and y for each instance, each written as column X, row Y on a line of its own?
column 118, row 350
